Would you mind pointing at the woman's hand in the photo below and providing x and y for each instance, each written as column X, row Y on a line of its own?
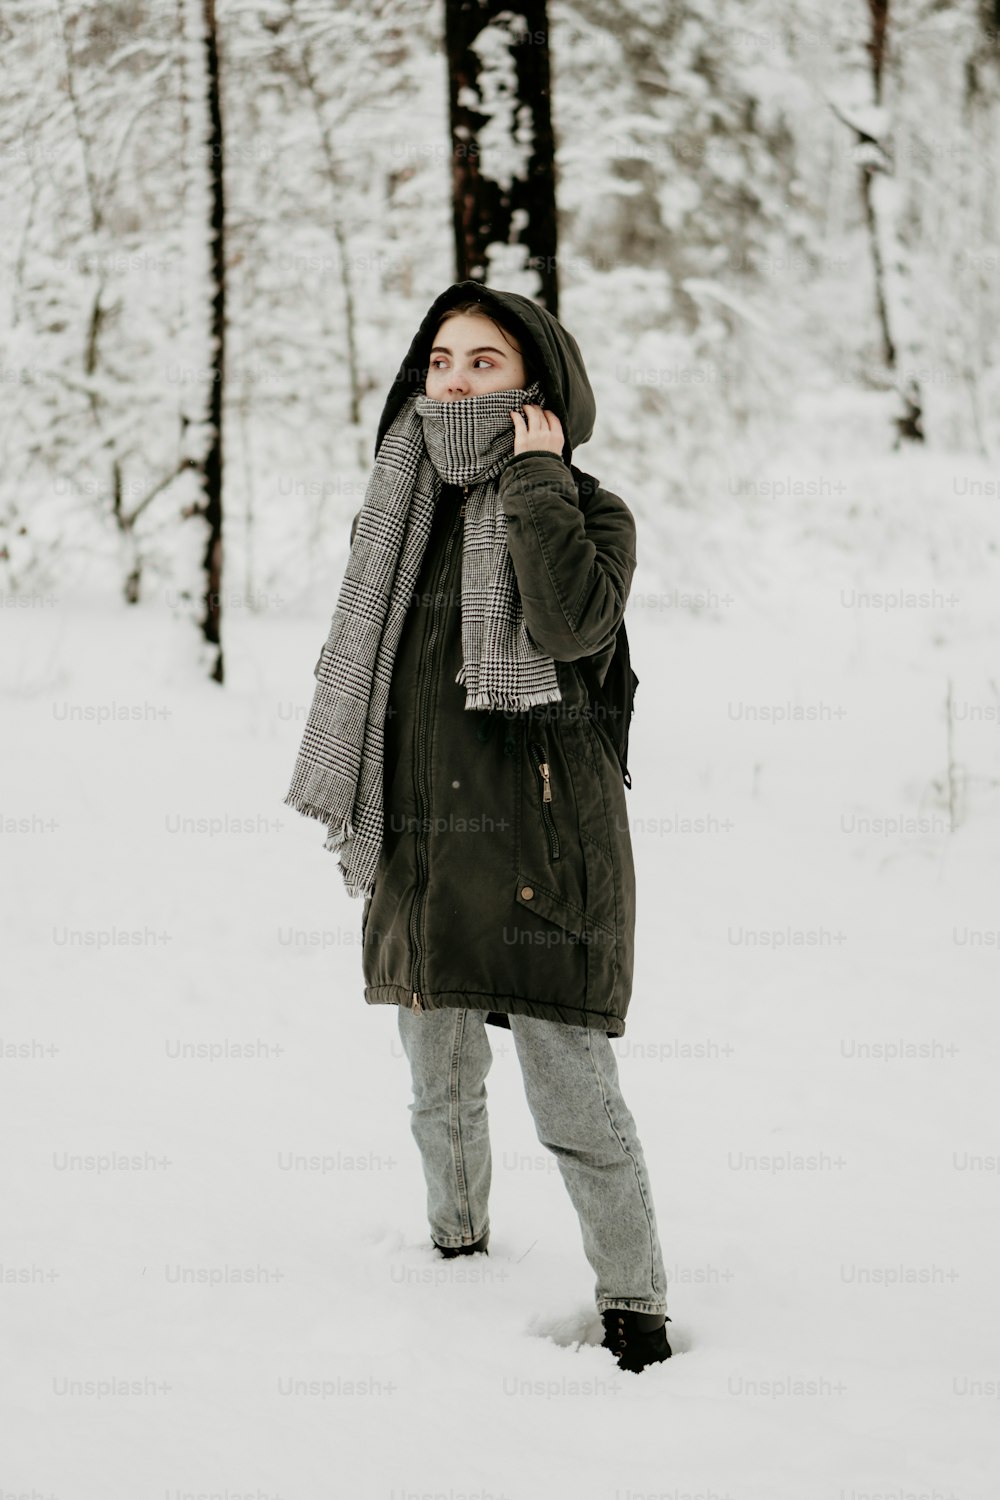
column 538, row 428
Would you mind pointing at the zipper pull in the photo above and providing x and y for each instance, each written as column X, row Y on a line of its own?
column 546, row 788
column 416, row 1001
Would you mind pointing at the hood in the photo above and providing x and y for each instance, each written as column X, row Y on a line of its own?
column 557, row 356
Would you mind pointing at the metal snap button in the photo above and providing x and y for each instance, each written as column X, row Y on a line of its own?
column 527, row 892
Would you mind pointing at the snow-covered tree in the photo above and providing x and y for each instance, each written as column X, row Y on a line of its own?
column 715, row 256
column 201, row 337
column 90, row 441
column 503, row 170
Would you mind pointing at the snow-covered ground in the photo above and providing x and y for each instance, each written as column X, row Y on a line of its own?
column 250, row 1305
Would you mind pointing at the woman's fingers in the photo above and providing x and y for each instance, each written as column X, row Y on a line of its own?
column 538, row 418
column 537, row 428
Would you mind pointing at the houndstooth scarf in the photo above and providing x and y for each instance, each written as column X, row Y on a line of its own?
column 339, row 769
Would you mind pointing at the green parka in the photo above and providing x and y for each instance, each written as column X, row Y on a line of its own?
column 506, row 881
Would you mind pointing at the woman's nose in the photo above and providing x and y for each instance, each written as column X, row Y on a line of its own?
column 458, row 385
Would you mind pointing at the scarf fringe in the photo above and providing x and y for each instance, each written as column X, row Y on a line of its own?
column 490, row 698
column 496, row 698
column 336, row 836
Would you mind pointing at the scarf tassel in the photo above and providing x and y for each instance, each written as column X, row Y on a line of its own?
column 309, row 809
column 491, row 699
column 339, row 834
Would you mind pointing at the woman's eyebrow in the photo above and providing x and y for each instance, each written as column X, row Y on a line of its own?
column 440, row 349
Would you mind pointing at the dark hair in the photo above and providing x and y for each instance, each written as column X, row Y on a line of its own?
column 506, row 325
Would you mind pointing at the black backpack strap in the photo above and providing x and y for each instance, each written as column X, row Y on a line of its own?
column 611, row 702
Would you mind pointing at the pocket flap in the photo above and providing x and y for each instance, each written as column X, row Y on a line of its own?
column 546, row 903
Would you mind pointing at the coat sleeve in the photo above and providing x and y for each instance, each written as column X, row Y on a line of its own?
column 354, row 527
column 573, row 557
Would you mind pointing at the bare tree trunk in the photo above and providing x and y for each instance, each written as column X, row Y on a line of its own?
column 91, row 356
column 892, row 290
column 503, row 153
column 307, row 72
column 211, row 621
column 97, row 192
column 205, row 243
column 875, row 47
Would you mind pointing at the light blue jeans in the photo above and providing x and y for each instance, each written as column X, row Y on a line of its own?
column 571, row 1083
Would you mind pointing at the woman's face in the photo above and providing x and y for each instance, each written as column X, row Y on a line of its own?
column 471, row 356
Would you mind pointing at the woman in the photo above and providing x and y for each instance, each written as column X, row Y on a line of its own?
column 475, row 801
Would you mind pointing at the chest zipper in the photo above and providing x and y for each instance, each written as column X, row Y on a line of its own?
column 544, row 771
column 416, row 1000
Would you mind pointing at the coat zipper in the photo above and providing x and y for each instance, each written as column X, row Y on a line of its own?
column 416, row 1000
column 544, row 770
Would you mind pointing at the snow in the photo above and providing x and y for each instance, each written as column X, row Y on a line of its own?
column 812, row 1044
column 816, row 1106
column 506, row 137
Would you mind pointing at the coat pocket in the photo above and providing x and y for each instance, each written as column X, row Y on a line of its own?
column 548, row 831
column 542, row 774
column 593, row 940
column 563, row 834
column 606, row 851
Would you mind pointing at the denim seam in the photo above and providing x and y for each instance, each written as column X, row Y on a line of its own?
column 630, row 1304
column 635, row 1165
column 455, row 1121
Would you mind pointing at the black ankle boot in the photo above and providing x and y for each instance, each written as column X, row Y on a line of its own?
column 637, row 1339
column 449, row 1250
